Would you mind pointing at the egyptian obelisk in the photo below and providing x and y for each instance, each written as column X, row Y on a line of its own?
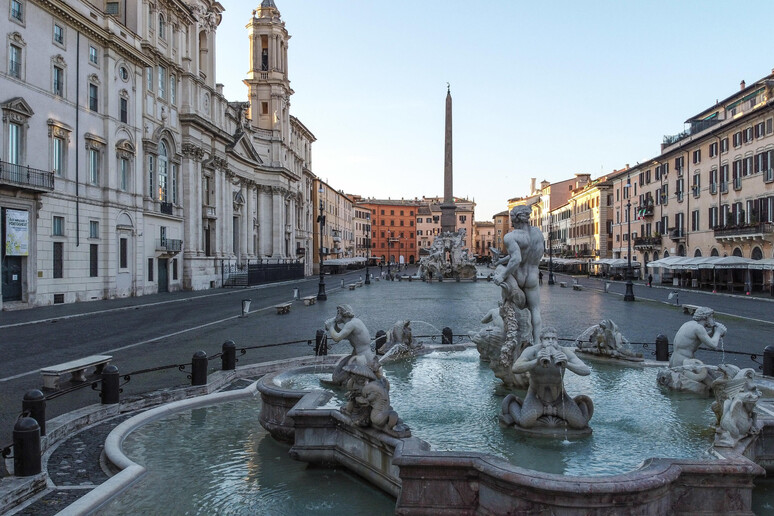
column 448, row 218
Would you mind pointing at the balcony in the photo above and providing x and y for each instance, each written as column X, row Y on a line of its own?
column 756, row 231
column 169, row 245
column 697, row 126
column 645, row 211
column 166, row 208
column 209, row 212
column 737, row 183
column 647, row 243
column 677, row 234
column 26, row 178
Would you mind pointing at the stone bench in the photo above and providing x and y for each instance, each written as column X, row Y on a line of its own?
column 690, row 309
column 76, row 368
column 352, row 286
column 577, row 287
column 283, row 308
column 309, row 300
column 563, row 284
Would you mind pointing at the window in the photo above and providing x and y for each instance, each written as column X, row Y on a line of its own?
column 695, row 220
column 162, row 81
column 58, row 34
column 93, row 55
column 93, row 97
column 123, row 73
column 697, row 156
column 93, row 229
column 174, row 269
column 724, row 145
column 172, row 89
column 112, row 8
column 696, row 185
column 123, row 253
column 149, row 78
column 17, row 12
column 57, row 158
column 58, row 82
column 57, row 228
column 150, row 269
column 94, row 166
column 14, row 61
column 747, row 166
column 123, row 174
column 713, row 149
column 14, row 143
column 162, row 175
column 93, row 260
column 760, row 129
column 713, row 217
column 58, row 260
column 174, row 183
column 724, row 178
column 265, row 111
column 680, row 163
column 748, row 135
column 150, row 176
column 124, row 110
column 737, row 138
column 162, row 27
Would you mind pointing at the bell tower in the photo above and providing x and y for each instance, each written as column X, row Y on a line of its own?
column 267, row 80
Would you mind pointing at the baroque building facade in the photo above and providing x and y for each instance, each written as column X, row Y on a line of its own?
column 124, row 170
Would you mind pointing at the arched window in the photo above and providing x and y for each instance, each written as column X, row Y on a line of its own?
column 697, row 253
column 655, row 255
column 714, row 252
column 756, row 254
column 737, row 252
column 162, row 27
column 666, row 253
column 681, row 250
column 163, row 171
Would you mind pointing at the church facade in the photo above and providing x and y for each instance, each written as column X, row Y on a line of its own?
column 124, row 171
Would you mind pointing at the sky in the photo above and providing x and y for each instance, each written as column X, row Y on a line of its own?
column 540, row 89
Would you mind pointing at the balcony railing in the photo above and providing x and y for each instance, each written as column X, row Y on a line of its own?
column 723, row 187
column 696, row 127
column 768, row 175
column 647, row 242
column 744, row 230
column 679, row 196
column 26, row 177
column 166, row 208
column 713, row 188
column 677, row 234
column 169, row 245
column 645, row 211
column 737, row 183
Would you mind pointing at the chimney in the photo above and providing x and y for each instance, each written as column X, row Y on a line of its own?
column 741, row 85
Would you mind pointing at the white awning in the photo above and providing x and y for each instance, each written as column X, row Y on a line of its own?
column 765, row 264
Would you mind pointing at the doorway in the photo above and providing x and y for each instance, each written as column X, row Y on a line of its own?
column 163, row 275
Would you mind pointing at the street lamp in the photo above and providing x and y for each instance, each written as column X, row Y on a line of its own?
column 368, row 253
column 550, row 251
column 321, row 295
column 629, row 295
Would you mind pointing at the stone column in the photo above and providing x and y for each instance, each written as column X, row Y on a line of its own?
column 278, row 227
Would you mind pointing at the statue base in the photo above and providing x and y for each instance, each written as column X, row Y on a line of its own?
column 553, row 432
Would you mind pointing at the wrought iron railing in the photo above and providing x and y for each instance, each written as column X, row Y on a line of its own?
column 169, row 245
column 166, row 208
column 26, row 177
column 735, row 230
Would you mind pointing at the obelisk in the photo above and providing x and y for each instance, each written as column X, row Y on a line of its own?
column 448, row 208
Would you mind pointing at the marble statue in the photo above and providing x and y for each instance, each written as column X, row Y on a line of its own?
column 737, row 418
column 606, row 340
column 525, row 246
column 346, row 326
column 687, row 373
column 448, row 258
column 491, row 337
column 548, row 408
column 399, row 343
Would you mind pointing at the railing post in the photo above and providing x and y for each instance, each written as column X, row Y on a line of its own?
column 446, row 335
column 34, row 402
column 26, row 447
column 199, row 368
column 662, row 348
column 320, row 344
column 768, row 361
column 228, row 358
column 110, row 385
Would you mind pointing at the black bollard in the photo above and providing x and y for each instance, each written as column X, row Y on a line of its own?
column 662, row 348
column 199, row 368
column 26, row 447
column 110, row 385
column 768, row 361
column 34, row 402
column 228, row 358
column 320, row 344
column 381, row 339
column 446, row 335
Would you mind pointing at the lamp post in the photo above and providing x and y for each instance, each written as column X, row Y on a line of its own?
column 550, row 251
column 321, row 295
column 368, row 252
column 629, row 295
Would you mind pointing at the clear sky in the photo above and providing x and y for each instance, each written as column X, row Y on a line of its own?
column 540, row 89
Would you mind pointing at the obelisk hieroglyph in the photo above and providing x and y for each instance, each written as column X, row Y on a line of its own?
column 448, row 217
